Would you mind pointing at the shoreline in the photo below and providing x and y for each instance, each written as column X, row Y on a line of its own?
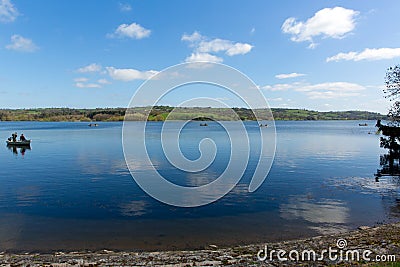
column 381, row 240
column 171, row 120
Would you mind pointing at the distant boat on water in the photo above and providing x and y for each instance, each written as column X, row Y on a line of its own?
column 93, row 125
column 203, row 124
column 362, row 124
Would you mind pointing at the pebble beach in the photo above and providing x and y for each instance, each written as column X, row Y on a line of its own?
column 382, row 240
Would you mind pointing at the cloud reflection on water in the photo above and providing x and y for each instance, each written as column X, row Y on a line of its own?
column 326, row 215
column 27, row 195
column 134, row 208
column 367, row 185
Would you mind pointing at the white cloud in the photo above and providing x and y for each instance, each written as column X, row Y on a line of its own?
column 277, row 99
column 21, row 44
column 367, row 54
column 125, row 7
column 134, row 31
column 328, row 22
column 215, row 45
column 205, row 48
column 87, row 85
column 321, row 90
column 90, row 68
column 312, row 45
column 203, row 57
column 330, row 94
column 129, row 74
column 81, row 80
column 220, row 45
column 8, row 12
column 281, row 86
column 195, row 36
column 239, row 49
column 289, row 75
column 103, row 81
column 333, row 86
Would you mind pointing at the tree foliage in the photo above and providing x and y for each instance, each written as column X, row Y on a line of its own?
column 392, row 91
column 160, row 113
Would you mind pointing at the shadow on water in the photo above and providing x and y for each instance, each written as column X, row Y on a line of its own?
column 17, row 149
column 389, row 162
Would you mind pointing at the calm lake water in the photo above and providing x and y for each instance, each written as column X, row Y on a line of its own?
column 73, row 190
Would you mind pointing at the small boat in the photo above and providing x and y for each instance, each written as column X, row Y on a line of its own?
column 19, row 143
column 203, row 124
column 362, row 124
column 93, row 125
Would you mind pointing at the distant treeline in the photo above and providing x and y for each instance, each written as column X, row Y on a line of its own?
column 160, row 113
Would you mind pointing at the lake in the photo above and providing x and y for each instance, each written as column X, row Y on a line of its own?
column 72, row 190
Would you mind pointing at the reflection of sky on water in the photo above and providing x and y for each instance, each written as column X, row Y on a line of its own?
column 324, row 141
column 321, row 181
column 103, row 165
column 366, row 185
column 135, row 208
column 325, row 215
column 27, row 195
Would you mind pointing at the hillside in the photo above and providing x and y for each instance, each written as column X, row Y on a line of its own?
column 160, row 113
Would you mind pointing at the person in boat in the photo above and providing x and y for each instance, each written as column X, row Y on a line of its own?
column 22, row 138
column 14, row 137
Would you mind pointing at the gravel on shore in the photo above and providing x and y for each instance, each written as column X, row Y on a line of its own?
column 383, row 241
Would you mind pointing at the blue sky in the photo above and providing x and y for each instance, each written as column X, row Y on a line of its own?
column 321, row 55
